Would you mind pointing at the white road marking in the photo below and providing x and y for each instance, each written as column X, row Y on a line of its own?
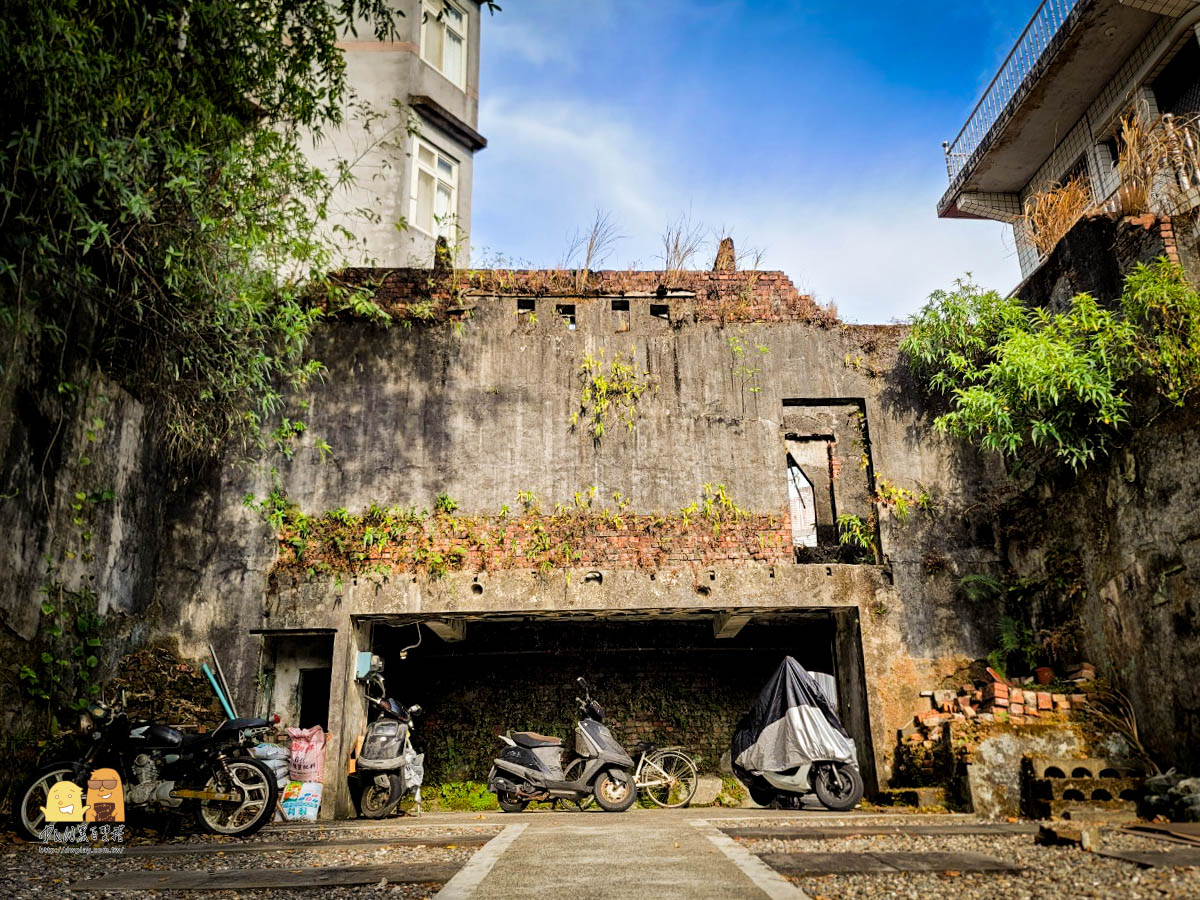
column 463, row 884
column 764, row 877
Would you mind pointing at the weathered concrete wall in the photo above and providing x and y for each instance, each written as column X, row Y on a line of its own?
column 1134, row 523
column 481, row 412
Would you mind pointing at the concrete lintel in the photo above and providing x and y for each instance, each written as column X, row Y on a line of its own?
column 727, row 625
column 450, row 631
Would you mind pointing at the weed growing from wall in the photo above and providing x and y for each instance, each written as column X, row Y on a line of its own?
column 615, row 388
column 383, row 540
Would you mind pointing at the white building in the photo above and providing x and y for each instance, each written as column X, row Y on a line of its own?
column 409, row 135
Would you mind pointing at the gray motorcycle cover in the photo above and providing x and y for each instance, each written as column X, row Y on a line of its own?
column 791, row 724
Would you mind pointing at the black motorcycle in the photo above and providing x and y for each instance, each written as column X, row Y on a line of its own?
column 530, row 767
column 792, row 743
column 213, row 776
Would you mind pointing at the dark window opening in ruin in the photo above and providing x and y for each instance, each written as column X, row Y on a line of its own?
column 1111, row 146
column 812, row 504
column 620, row 310
column 1177, row 88
column 661, row 311
column 1078, row 169
column 297, row 668
column 514, row 671
column 566, row 312
column 314, row 697
column 526, row 306
column 829, row 440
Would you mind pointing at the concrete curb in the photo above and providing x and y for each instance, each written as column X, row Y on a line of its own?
column 463, row 884
column 764, row 877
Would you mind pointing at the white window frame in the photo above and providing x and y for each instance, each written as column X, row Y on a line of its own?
column 436, row 229
column 431, row 9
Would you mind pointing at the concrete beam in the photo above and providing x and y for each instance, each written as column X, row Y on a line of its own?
column 450, row 631
column 727, row 625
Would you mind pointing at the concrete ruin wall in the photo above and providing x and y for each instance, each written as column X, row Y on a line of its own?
column 480, row 411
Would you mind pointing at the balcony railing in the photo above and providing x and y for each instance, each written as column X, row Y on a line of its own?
column 1034, row 40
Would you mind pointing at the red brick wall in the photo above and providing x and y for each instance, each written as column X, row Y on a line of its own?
column 719, row 296
column 568, row 540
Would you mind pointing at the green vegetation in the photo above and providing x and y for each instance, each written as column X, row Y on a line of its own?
column 383, row 540
column 62, row 674
column 617, row 387
column 1056, row 387
column 158, row 218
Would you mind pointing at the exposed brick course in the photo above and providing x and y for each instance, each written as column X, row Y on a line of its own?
column 720, row 296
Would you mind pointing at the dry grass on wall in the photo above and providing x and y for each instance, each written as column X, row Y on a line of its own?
column 1052, row 212
column 1158, row 163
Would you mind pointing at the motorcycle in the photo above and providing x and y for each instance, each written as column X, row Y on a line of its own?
column 530, row 765
column 213, row 775
column 387, row 768
column 792, row 743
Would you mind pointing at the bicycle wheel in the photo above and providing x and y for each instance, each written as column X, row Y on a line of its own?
column 669, row 778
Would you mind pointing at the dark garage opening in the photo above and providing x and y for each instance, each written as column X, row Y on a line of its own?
column 660, row 679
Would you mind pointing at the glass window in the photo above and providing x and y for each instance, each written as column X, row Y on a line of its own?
column 444, row 39
column 435, row 191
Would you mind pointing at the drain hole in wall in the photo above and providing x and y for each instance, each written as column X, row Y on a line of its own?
column 651, row 576
column 771, row 572
column 828, row 571
column 702, row 590
column 712, row 576
column 477, row 588
column 661, row 311
column 593, row 578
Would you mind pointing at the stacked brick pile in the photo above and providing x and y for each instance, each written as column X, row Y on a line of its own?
column 1016, row 701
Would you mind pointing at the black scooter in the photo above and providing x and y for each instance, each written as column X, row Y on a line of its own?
column 530, row 765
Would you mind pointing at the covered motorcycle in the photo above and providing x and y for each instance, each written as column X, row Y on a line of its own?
column 792, row 743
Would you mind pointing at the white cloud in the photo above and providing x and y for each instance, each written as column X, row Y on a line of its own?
column 870, row 240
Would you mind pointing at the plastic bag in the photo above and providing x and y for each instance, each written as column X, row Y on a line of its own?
column 267, row 752
column 308, row 754
column 302, row 801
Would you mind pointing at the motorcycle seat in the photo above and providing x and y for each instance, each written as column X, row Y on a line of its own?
column 532, row 739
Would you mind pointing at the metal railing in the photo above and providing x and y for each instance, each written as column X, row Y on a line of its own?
column 1030, row 46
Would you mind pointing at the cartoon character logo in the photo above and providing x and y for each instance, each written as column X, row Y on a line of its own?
column 105, row 798
column 64, row 803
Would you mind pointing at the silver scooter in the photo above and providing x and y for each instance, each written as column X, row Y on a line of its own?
column 388, row 768
column 530, row 767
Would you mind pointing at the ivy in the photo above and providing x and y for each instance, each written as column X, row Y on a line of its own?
column 63, row 670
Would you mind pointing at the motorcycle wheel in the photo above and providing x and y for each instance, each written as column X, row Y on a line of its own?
column 838, row 787
column 511, row 803
column 614, row 790
column 30, row 819
column 376, row 802
column 255, row 782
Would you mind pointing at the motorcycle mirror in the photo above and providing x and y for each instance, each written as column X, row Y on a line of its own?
column 582, row 683
column 122, row 698
column 415, row 710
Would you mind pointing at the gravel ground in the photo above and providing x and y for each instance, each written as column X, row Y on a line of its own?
column 27, row 873
column 1050, row 873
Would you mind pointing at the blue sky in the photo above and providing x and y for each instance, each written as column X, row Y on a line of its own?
column 810, row 130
